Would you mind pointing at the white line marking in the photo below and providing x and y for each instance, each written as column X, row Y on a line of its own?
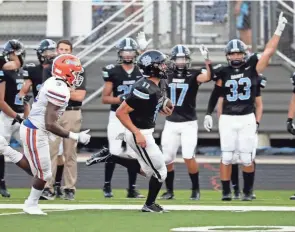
column 18, row 213
column 168, row 207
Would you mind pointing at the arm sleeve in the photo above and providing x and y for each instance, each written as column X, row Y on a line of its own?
column 216, row 93
column 258, row 91
column 137, row 97
column 216, row 72
column 253, row 59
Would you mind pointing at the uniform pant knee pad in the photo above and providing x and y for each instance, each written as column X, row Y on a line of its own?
column 246, row 159
column 227, row 157
column 47, row 176
column 161, row 174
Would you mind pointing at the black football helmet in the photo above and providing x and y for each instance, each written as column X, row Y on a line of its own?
column 153, row 64
column 180, row 57
column 127, row 51
column 236, row 46
column 46, row 51
column 16, row 47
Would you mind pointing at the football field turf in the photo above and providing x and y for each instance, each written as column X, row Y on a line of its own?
column 92, row 212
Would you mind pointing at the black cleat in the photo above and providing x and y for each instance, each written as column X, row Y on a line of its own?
column 237, row 195
column 226, row 197
column 195, row 195
column 47, row 195
column 153, row 208
column 247, row 197
column 133, row 193
column 98, row 157
column 107, row 191
column 57, row 191
column 3, row 189
column 69, row 194
column 292, row 197
column 169, row 195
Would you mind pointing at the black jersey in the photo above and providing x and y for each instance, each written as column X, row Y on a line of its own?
column 122, row 81
column 239, row 86
column 13, row 83
column 182, row 91
column 146, row 98
column 34, row 73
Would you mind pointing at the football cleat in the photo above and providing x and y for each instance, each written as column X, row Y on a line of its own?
column 107, row 191
column 292, row 197
column 153, row 208
column 3, row 189
column 133, row 193
column 69, row 194
column 226, row 197
column 253, row 196
column 57, row 191
column 32, row 209
column 237, row 195
column 47, row 195
column 247, row 197
column 195, row 195
column 99, row 157
column 169, row 195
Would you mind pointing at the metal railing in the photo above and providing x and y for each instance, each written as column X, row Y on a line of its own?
column 98, row 92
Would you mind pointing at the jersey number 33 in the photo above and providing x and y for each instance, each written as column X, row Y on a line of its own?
column 234, row 89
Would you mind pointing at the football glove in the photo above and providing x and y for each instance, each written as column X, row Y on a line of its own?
column 141, row 40
column 204, row 51
column 26, row 99
column 208, row 122
column 81, row 137
column 18, row 119
column 281, row 24
column 290, row 126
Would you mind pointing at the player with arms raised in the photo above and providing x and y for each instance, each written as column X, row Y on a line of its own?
column 36, row 130
column 181, row 128
column 237, row 125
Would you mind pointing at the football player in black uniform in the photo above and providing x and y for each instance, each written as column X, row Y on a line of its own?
column 138, row 113
column 261, row 82
column 11, row 105
column 33, row 73
column 237, row 125
column 118, row 82
column 181, row 128
column 291, row 112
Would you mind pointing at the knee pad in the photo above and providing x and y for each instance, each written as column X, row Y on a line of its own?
column 227, row 157
column 169, row 159
column 246, row 159
column 12, row 154
column 161, row 174
column 47, row 175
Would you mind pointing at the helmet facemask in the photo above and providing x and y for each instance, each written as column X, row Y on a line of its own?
column 127, row 56
column 236, row 59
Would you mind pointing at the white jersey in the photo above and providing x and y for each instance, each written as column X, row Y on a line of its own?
column 54, row 91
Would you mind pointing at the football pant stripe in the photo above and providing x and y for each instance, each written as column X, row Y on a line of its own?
column 151, row 164
column 139, row 149
column 56, row 94
column 29, row 148
column 35, row 152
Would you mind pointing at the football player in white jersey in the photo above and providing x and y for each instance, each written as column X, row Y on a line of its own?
column 41, row 124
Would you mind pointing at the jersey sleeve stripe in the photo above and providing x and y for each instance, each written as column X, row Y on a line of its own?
column 57, row 94
column 141, row 94
column 58, row 100
column 55, row 97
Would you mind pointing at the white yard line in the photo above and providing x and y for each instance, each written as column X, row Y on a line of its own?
column 168, row 207
column 18, row 213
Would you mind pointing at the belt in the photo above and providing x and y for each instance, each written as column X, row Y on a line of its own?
column 73, row 108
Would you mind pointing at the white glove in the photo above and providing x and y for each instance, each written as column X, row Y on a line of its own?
column 208, row 123
column 81, row 137
column 141, row 40
column 204, row 51
column 281, row 24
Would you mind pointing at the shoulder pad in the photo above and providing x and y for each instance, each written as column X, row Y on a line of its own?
column 218, row 66
column 140, row 90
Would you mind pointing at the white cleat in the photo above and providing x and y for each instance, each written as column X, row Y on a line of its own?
column 32, row 209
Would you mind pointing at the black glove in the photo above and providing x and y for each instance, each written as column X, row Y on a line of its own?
column 26, row 99
column 257, row 126
column 290, row 126
column 123, row 97
column 18, row 119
